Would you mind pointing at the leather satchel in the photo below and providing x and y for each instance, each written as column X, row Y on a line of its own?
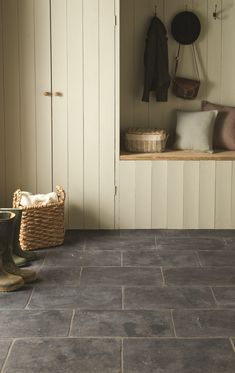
column 183, row 87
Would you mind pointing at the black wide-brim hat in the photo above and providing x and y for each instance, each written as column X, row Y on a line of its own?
column 186, row 28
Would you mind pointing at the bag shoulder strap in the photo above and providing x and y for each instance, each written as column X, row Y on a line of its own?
column 177, row 60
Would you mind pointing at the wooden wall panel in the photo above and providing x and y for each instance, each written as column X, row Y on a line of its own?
column 75, row 112
column 223, row 194
column 175, row 194
column 143, row 195
column 27, row 91
column 191, row 194
column 207, row 195
column 91, row 114
column 159, row 194
column 12, row 98
column 60, row 103
column 107, row 112
column 43, row 104
column 2, row 124
column 127, row 195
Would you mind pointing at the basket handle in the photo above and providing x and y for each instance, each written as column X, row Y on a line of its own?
column 17, row 198
column 60, row 193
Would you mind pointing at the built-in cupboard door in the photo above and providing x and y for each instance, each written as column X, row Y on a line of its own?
column 83, row 109
column 25, row 121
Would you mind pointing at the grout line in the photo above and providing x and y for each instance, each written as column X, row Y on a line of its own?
column 123, row 298
column 71, row 323
column 29, row 300
column 8, row 354
column 163, row 278
column 214, row 297
column 198, row 258
column 122, row 360
column 172, row 319
column 121, row 258
column 80, row 275
column 233, row 346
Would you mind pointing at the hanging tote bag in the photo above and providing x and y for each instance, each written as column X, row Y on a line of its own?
column 183, row 87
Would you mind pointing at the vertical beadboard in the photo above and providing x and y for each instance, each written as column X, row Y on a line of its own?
column 143, row 195
column 207, row 194
column 2, row 124
column 127, row 72
column 11, row 98
column 175, row 194
column 214, row 50
column 107, row 112
column 43, row 103
column 91, row 113
column 159, row 194
column 191, row 194
column 75, row 112
column 223, row 194
column 60, row 103
column 27, row 95
column 127, row 195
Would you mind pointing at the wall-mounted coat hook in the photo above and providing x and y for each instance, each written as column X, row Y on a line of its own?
column 155, row 10
column 215, row 15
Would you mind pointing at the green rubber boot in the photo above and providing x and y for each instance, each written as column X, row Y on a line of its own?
column 18, row 253
column 8, row 281
column 10, row 266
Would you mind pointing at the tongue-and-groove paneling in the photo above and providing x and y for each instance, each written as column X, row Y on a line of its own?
column 176, row 194
column 64, row 46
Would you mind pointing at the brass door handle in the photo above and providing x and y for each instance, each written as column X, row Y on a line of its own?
column 46, row 93
column 58, row 94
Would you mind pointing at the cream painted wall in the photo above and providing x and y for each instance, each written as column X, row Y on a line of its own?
column 175, row 194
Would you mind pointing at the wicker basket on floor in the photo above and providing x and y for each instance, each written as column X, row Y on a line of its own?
column 41, row 226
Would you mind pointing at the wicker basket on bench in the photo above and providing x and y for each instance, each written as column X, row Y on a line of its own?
column 145, row 140
column 41, row 226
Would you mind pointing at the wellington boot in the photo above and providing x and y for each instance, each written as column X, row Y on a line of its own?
column 17, row 250
column 19, row 261
column 8, row 281
column 27, row 274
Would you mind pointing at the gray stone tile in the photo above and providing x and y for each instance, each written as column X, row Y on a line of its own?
column 217, row 258
column 191, row 243
column 124, row 243
column 74, row 258
column 168, row 258
column 4, row 347
column 114, row 276
column 89, row 298
column 178, row 356
column 34, row 323
column 200, row 276
column 152, row 298
column 49, row 276
column 122, row 324
column 225, row 296
column 204, row 323
column 17, row 299
column 230, row 242
column 210, row 233
column 140, row 233
column 65, row 355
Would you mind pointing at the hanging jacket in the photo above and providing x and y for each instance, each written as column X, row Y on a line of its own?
column 156, row 62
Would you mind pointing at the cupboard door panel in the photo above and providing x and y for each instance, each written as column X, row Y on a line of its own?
column 2, row 124
column 207, row 195
column 107, row 113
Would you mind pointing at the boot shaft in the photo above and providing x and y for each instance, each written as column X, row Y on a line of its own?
column 6, row 230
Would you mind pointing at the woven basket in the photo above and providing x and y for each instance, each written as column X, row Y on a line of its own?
column 41, row 226
column 145, row 140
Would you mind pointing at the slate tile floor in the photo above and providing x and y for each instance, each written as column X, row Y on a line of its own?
column 125, row 302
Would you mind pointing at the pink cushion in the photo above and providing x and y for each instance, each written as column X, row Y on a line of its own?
column 224, row 131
